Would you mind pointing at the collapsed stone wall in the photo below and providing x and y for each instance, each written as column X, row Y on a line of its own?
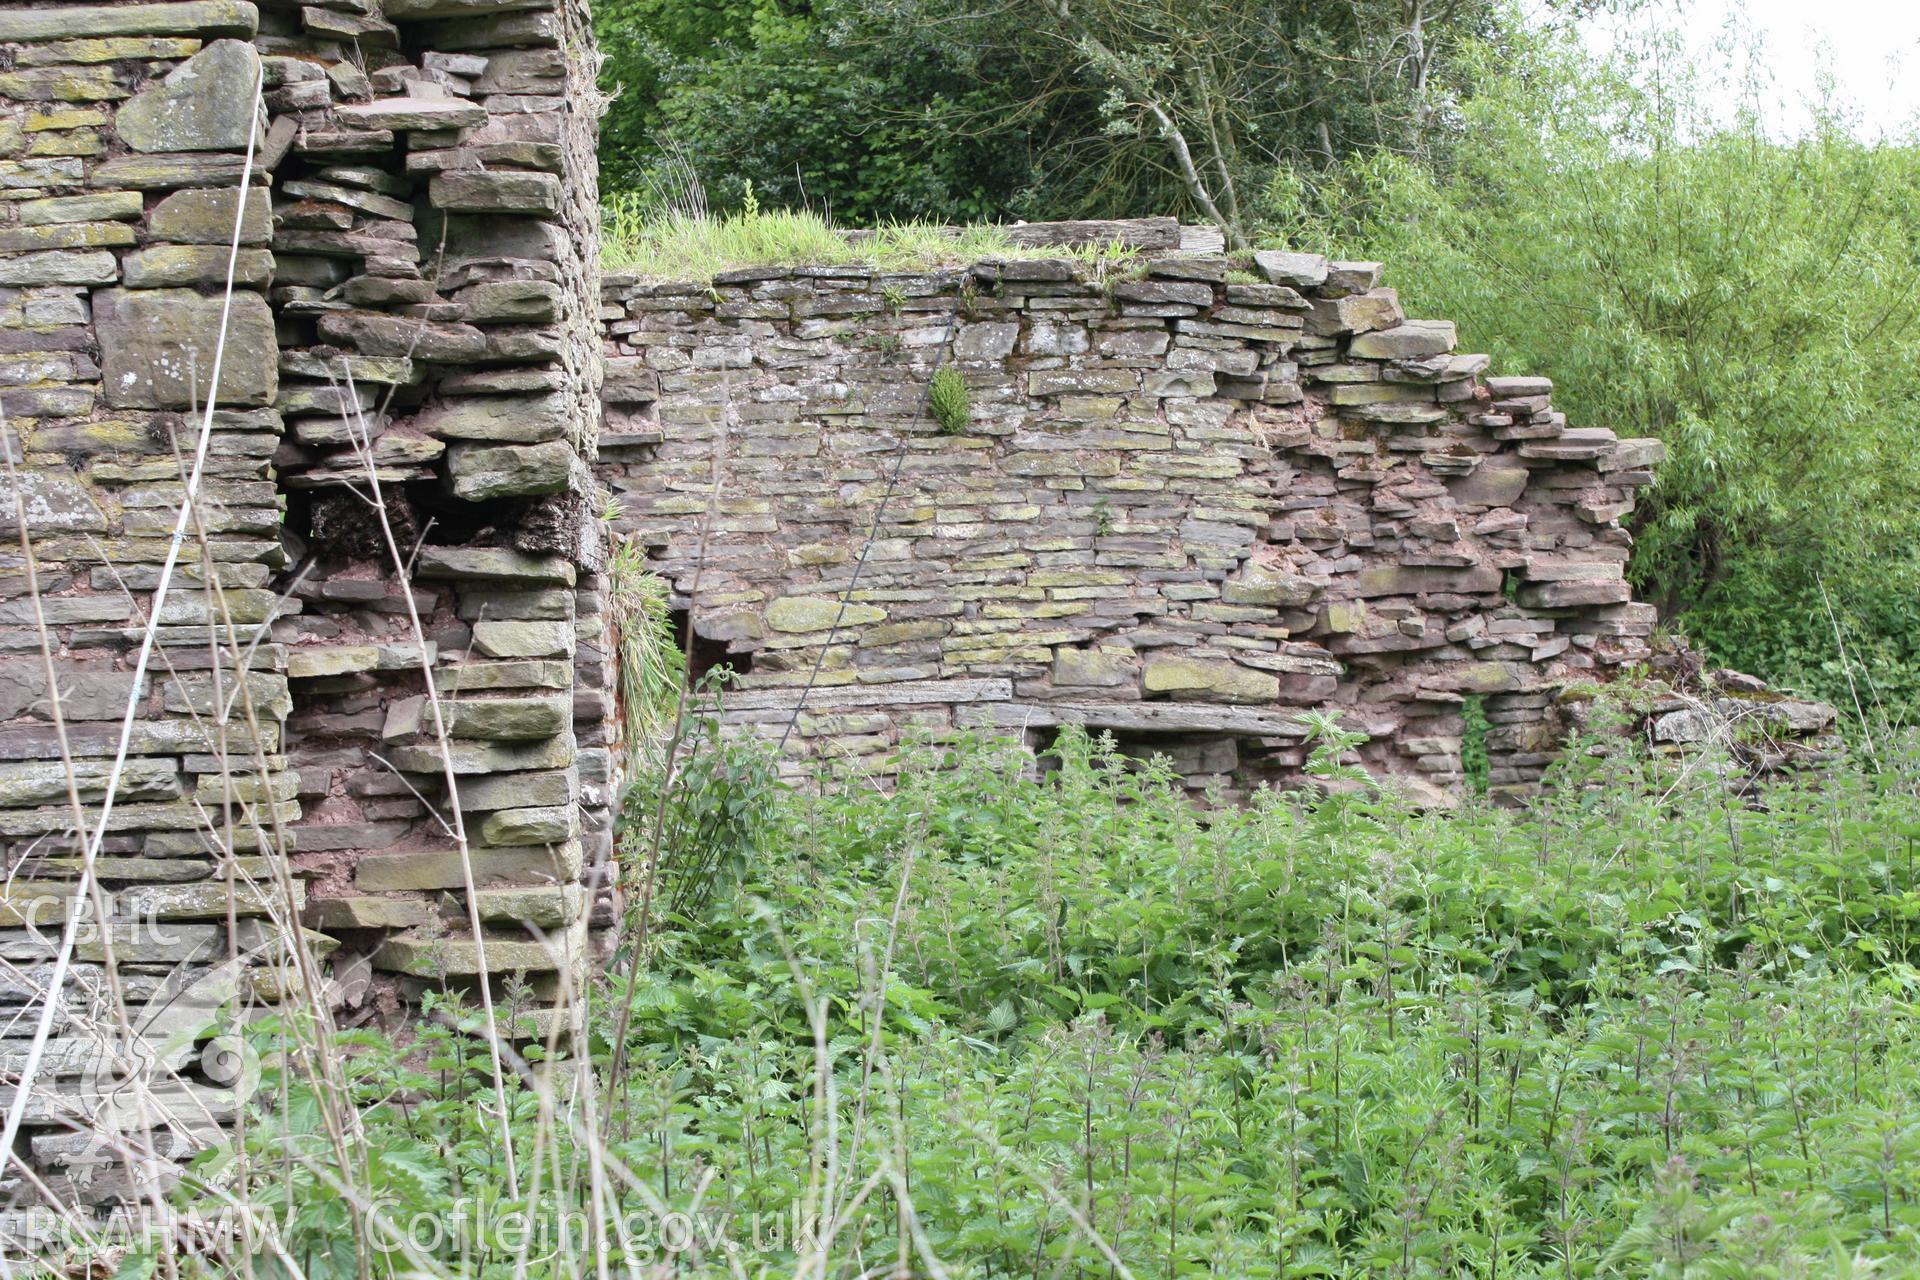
column 1192, row 502
column 413, row 311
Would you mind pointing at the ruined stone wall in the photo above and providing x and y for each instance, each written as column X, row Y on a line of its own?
column 434, row 245
column 412, row 313
column 1194, row 498
column 119, row 171
column 1192, row 502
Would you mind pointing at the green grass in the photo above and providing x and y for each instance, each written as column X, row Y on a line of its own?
column 651, row 665
column 1069, row 1027
column 672, row 246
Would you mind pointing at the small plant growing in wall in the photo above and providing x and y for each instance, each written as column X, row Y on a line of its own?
column 947, row 398
column 1475, row 764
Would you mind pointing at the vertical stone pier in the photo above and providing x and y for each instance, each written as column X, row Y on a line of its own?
column 435, row 241
column 414, row 307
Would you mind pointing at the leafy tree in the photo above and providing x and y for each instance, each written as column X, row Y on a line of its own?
column 975, row 110
column 786, row 97
column 1181, row 106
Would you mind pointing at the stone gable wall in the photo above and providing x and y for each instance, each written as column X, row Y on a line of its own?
column 1192, row 502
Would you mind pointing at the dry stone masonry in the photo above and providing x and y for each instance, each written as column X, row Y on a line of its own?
column 1193, row 501
column 403, row 196
column 1190, row 499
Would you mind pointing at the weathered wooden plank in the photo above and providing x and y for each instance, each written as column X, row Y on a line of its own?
column 1134, row 717
column 1134, row 233
column 906, row 693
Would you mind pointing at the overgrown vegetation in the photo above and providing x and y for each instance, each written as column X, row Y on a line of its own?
column 638, row 237
column 995, row 1024
column 949, row 401
column 650, row 665
column 964, row 111
column 1748, row 301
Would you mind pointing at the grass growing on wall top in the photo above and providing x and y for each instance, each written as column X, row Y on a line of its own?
column 638, row 237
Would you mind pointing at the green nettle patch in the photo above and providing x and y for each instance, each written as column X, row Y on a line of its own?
column 998, row 1023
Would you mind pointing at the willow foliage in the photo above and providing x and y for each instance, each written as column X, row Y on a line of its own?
column 1752, row 302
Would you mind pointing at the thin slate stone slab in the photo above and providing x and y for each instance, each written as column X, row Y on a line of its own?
column 444, row 869
column 403, row 337
column 905, row 693
column 412, row 113
column 515, row 639
column 366, row 913
column 61, row 22
column 519, row 791
column 205, row 104
column 169, row 265
column 493, row 31
column 167, row 172
column 1409, row 340
column 1301, row 270
column 65, row 235
column 414, row 10
column 59, row 266
column 484, row 677
column 495, row 192
column 207, row 217
column 544, row 907
column 498, row 419
column 481, row 472
column 157, row 348
column 1163, row 717
column 493, row 564
column 106, row 205
column 441, row 957
column 55, row 499
column 486, row 757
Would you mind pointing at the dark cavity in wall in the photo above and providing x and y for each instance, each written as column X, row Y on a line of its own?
column 335, row 525
column 705, row 655
column 1198, row 759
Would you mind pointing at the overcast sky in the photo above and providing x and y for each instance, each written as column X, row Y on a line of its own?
column 1871, row 47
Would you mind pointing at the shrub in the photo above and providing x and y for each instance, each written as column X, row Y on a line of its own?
column 949, row 401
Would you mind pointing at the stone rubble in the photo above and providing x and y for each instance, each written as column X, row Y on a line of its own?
column 1685, row 714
